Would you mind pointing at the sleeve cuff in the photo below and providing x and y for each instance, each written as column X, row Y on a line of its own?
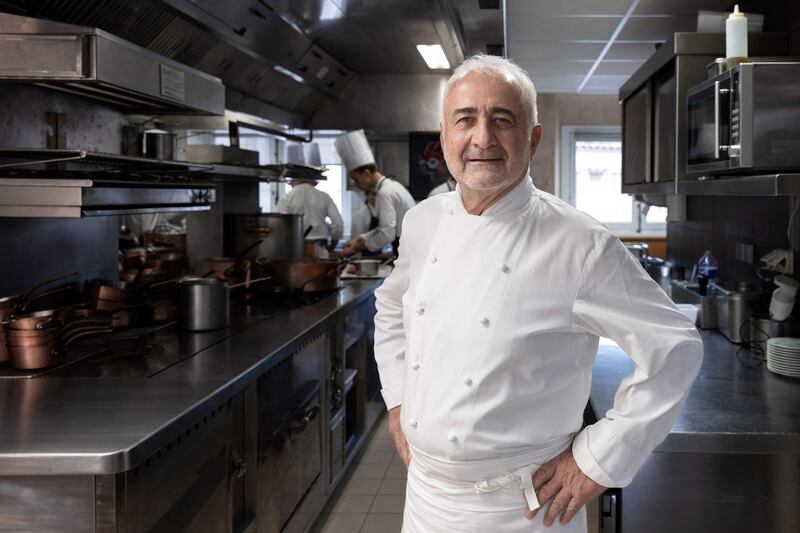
column 391, row 399
column 586, row 461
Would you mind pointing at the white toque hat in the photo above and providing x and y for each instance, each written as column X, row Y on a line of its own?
column 354, row 150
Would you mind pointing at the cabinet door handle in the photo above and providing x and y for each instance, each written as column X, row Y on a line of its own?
column 239, row 468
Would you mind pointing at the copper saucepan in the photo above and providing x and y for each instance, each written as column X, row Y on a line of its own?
column 102, row 289
column 14, row 336
column 44, row 355
column 302, row 275
column 40, row 319
column 33, row 321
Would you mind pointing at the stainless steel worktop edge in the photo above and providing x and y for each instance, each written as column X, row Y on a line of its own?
column 735, row 405
column 193, row 396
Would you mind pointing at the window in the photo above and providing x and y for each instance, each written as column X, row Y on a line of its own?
column 591, row 180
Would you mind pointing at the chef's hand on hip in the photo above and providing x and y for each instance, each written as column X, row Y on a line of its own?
column 396, row 429
column 561, row 481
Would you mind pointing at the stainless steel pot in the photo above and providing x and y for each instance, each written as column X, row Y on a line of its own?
column 203, row 304
column 160, row 145
column 281, row 235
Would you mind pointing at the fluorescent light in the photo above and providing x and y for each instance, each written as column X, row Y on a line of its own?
column 433, row 55
column 289, row 73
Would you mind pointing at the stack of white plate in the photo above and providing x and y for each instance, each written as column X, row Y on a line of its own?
column 783, row 356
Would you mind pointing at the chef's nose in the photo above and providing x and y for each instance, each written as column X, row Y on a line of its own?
column 483, row 135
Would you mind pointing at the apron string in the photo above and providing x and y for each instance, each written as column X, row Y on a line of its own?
column 521, row 478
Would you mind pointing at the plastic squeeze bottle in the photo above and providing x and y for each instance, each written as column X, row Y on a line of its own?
column 735, row 38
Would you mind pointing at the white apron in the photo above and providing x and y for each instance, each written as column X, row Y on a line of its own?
column 454, row 498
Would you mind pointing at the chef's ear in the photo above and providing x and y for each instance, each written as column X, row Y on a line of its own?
column 536, row 135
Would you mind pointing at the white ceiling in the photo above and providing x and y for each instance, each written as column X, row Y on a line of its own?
column 559, row 41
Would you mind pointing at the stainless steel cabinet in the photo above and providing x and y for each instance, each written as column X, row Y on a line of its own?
column 654, row 111
column 186, row 486
column 702, row 492
column 290, row 433
column 636, row 137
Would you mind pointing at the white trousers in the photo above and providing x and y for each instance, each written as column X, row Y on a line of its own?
column 438, row 502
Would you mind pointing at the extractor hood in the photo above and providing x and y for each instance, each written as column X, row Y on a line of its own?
column 94, row 63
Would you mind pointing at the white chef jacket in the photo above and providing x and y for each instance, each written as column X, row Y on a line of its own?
column 441, row 189
column 488, row 327
column 392, row 201
column 314, row 205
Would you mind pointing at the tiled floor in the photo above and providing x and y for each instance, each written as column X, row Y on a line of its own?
column 371, row 499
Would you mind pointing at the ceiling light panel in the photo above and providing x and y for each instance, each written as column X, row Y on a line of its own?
column 434, row 56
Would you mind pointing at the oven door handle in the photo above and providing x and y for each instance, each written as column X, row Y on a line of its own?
column 300, row 423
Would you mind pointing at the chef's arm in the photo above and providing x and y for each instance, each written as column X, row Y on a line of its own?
column 384, row 234
column 337, row 224
column 390, row 337
column 617, row 299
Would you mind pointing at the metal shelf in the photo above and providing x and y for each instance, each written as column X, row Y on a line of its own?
column 265, row 173
column 658, row 187
column 762, row 185
column 53, row 163
column 67, row 198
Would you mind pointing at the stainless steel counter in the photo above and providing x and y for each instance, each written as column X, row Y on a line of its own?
column 731, row 408
column 74, row 424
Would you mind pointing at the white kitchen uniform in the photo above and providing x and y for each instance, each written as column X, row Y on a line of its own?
column 392, row 202
column 441, row 189
column 486, row 333
column 315, row 206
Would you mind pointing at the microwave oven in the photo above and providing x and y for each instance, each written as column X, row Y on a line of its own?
column 745, row 120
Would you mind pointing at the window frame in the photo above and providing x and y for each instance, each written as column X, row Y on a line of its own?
column 565, row 184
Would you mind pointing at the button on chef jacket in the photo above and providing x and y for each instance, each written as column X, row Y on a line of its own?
column 314, row 205
column 392, row 202
column 488, row 327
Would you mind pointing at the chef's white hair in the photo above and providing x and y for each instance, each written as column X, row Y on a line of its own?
column 502, row 68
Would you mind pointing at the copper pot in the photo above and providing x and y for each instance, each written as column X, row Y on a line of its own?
column 48, row 354
column 23, row 337
column 34, row 321
column 101, row 289
column 304, row 275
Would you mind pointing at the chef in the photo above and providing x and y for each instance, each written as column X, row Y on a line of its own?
column 449, row 185
column 318, row 209
column 488, row 327
column 392, row 200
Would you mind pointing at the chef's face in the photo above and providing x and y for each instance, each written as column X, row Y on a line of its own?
column 362, row 179
column 487, row 137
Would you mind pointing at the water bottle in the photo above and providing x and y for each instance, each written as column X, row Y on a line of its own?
column 707, row 266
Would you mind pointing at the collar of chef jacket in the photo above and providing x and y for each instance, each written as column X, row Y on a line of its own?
column 517, row 199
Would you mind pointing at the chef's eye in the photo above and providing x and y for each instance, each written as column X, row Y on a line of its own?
column 502, row 121
column 465, row 120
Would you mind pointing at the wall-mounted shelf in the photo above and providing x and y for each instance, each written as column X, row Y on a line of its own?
column 763, row 185
column 74, row 198
column 52, row 163
column 264, row 173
